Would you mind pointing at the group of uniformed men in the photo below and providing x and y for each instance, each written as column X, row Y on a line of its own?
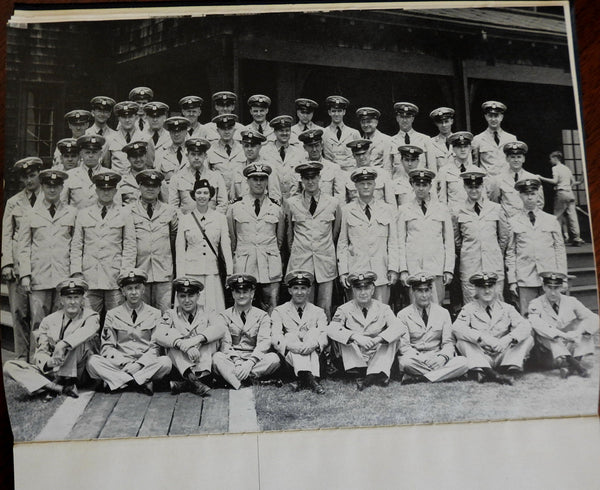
column 380, row 213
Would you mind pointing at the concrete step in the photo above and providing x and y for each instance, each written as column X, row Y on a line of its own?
column 578, row 257
column 588, row 295
column 584, row 276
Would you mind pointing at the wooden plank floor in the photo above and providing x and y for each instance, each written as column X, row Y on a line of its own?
column 136, row 415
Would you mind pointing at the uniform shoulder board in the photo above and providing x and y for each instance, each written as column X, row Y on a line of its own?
column 275, row 201
column 235, row 200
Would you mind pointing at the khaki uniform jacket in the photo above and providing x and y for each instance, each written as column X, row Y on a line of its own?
column 183, row 182
column 198, row 132
column 15, row 209
column 81, row 329
column 213, row 136
column 534, row 248
column 154, row 237
column 311, row 238
column 129, row 187
column 437, row 153
column 124, row 342
column 435, row 336
column 401, row 185
column 380, row 151
column 79, row 190
column 174, row 325
column 250, row 340
column 194, row 256
column 256, row 240
column 163, row 141
column 489, row 154
column 571, row 316
column 481, row 240
column 45, row 243
column 336, row 150
column 473, row 320
column 101, row 248
column 368, row 245
column 299, row 128
column 239, row 185
column 380, row 321
column 220, row 161
column 426, row 242
column 384, row 188
column 451, row 189
column 288, row 328
column 116, row 158
column 267, row 131
column 167, row 163
column 288, row 178
column 502, row 189
column 416, row 139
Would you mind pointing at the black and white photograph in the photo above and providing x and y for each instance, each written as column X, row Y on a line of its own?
column 306, row 219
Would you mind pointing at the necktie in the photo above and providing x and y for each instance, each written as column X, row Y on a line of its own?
column 260, row 129
column 150, row 210
column 155, row 137
column 32, row 199
column 531, row 217
column 256, row 206
column 338, row 133
column 141, row 124
column 52, row 209
column 179, row 154
column 282, row 153
column 555, row 307
column 103, row 212
column 368, row 212
column 364, row 312
column 425, row 316
column 243, row 317
column 63, row 328
column 447, row 145
column 488, row 310
column 128, row 137
column 477, row 208
column 462, row 167
column 423, row 207
column 406, row 139
column 100, row 132
column 306, row 127
column 190, row 131
column 313, row 205
column 496, row 139
column 133, row 316
column 516, row 176
column 190, row 318
column 90, row 173
column 300, row 311
column 228, row 149
column 203, row 219
column 197, row 175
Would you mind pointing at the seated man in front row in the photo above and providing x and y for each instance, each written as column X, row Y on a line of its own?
column 427, row 347
column 129, row 357
column 299, row 331
column 191, row 336
column 491, row 334
column 366, row 333
column 564, row 328
column 244, row 353
column 64, row 342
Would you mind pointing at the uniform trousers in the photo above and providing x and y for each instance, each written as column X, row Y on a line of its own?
column 101, row 368
column 301, row 362
column 415, row 366
column 526, row 295
column 514, row 355
column 324, row 293
column 583, row 346
column 225, row 366
column 378, row 360
column 19, row 309
column 158, row 294
column 564, row 209
column 269, row 295
column 33, row 379
column 468, row 290
column 42, row 303
column 182, row 361
column 104, row 299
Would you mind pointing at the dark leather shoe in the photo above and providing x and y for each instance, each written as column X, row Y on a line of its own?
column 70, row 390
column 199, row 388
column 146, row 388
column 178, row 387
column 314, row 385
